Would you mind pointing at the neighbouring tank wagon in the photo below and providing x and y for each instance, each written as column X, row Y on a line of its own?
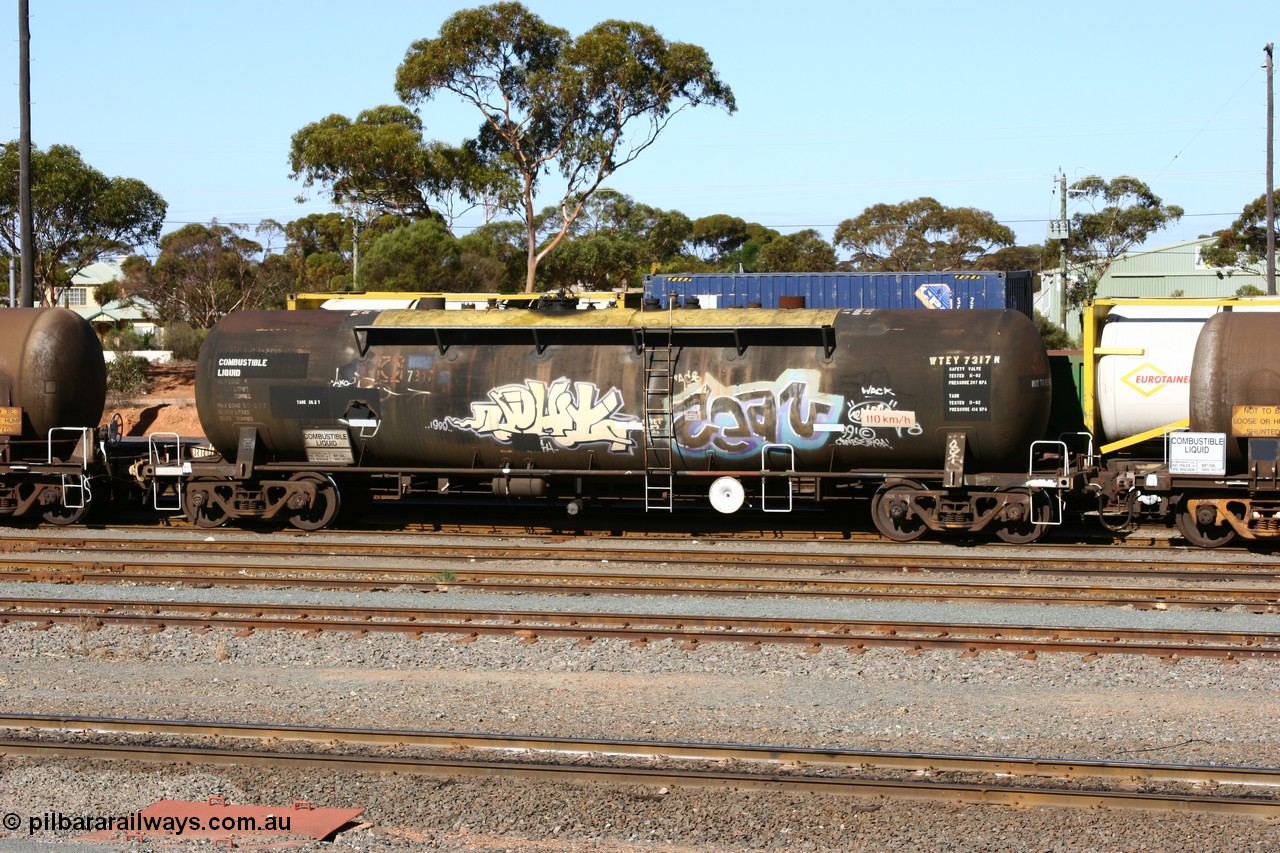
column 1227, row 467
column 52, row 375
column 53, row 388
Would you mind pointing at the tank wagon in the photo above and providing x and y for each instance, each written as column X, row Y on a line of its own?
column 53, row 387
column 931, row 414
column 1225, row 470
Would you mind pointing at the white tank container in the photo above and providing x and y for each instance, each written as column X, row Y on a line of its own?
column 1137, row 393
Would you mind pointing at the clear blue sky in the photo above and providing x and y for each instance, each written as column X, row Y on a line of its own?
column 841, row 104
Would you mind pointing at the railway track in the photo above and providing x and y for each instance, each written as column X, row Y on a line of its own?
column 530, row 626
column 632, row 571
column 1073, row 562
column 965, row 778
column 658, row 584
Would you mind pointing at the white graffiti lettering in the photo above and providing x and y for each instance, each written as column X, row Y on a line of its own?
column 861, row 437
column 563, row 415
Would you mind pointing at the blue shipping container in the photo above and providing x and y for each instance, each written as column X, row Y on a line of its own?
column 937, row 290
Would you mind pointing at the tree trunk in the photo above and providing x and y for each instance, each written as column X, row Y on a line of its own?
column 532, row 261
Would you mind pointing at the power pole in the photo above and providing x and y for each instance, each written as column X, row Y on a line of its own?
column 1062, row 246
column 27, row 251
column 1059, row 230
column 1271, row 185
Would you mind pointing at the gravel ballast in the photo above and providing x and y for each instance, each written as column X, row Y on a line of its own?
column 1114, row 707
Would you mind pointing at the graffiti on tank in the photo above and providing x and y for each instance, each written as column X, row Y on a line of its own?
column 563, row 415
column 877, row 391
column 738, row 420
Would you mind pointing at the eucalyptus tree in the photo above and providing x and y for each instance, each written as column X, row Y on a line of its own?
column 920, row 234
column 202, row 273
column 80, row 215
column 803, row 251
column 581, row 107
column 421, row 256
column 380, row 164
column 1244, row 244
column 1123, row 213
column 613, row 243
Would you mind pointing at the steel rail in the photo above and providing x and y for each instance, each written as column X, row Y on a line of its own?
column 687, row 751
column 78, row 570
column 631, row 582
column 653, row 777
column 661, row 552
column 530, row 625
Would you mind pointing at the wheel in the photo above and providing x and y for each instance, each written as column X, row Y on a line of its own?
column 204, row 513
column 323, row 510
column 64, row 515
column 1200, row 526
column 892, row 513
column 207, row 516
column 1025, row 531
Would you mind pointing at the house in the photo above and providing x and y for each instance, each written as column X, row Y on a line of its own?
column 132, row 312
column 79, row 295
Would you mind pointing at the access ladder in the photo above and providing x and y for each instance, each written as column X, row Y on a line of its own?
column 659, row 370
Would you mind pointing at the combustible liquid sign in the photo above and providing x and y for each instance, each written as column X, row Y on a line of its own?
column 1255, row 421
column 1198, row 453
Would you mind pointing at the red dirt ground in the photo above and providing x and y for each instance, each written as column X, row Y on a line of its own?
column 168, row 406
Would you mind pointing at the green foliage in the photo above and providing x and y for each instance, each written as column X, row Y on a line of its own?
column 1245, row 290
column 920, row 235
column 613, row 243
column 202, row 273
column 123, row 340
column 495, row 253
column 126, row 376
column 596, row 262
column 80, row 215
column 183, row 341
column 1244, row 244
column 803, row 251
column 380, row 163
column 726, row 244
column 106, row 292
column 1053, row 335
column 717, row 235
column 421, row 256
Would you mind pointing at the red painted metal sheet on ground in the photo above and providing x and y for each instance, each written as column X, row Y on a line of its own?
column 248, row 827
